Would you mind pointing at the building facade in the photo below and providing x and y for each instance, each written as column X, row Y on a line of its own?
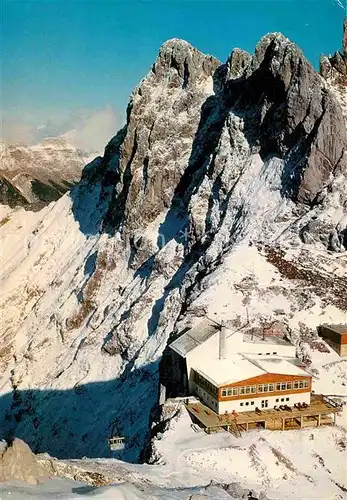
column 238, row 372
column 335, row 336
column 201, row 344
column 263, row 392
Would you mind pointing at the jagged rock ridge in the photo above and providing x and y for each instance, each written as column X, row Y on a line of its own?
column 223, row 195
column 334, row 71
column 285, row 110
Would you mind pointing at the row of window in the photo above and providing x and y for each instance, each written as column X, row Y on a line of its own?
column 253, row 389
column 205, row 397
column 264, row 404
column 266, row 354
column 205, row 384
column 247, row 403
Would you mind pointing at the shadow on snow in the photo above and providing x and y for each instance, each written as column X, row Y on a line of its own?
column 77, row 422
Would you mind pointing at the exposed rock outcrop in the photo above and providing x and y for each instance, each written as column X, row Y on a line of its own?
column 18, row 463
column 288, row 114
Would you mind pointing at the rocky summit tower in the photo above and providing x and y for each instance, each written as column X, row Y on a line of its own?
column 334, row 68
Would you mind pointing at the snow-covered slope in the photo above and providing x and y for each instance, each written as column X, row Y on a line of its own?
column 33, row 176
column 223, row 195
column 72, row 490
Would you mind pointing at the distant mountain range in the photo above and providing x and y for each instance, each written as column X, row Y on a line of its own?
column 33, row 176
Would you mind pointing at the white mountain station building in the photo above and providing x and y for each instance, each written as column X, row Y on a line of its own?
column 237, row 372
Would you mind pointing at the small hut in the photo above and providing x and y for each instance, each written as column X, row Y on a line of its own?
column 335, row 336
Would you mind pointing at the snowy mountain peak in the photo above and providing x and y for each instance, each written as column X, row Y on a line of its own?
column 223, row 196
column 176, row 43
column 181, row 64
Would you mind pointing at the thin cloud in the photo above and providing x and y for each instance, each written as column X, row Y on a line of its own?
column 92, row 132
column 88, row 130
column 15, row 132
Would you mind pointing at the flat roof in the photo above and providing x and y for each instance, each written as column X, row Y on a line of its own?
column 227, row 371
column 279, row 366
column 340, row 329
column 238, row 367
column 194, row 337
column 267, row 339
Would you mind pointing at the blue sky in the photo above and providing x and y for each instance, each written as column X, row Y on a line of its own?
column 62, row 58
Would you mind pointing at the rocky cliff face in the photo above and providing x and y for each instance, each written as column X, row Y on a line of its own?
column 274, row 103
column 163, row 117
column 334, row 71
column 224, row 195
column 33, row 176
